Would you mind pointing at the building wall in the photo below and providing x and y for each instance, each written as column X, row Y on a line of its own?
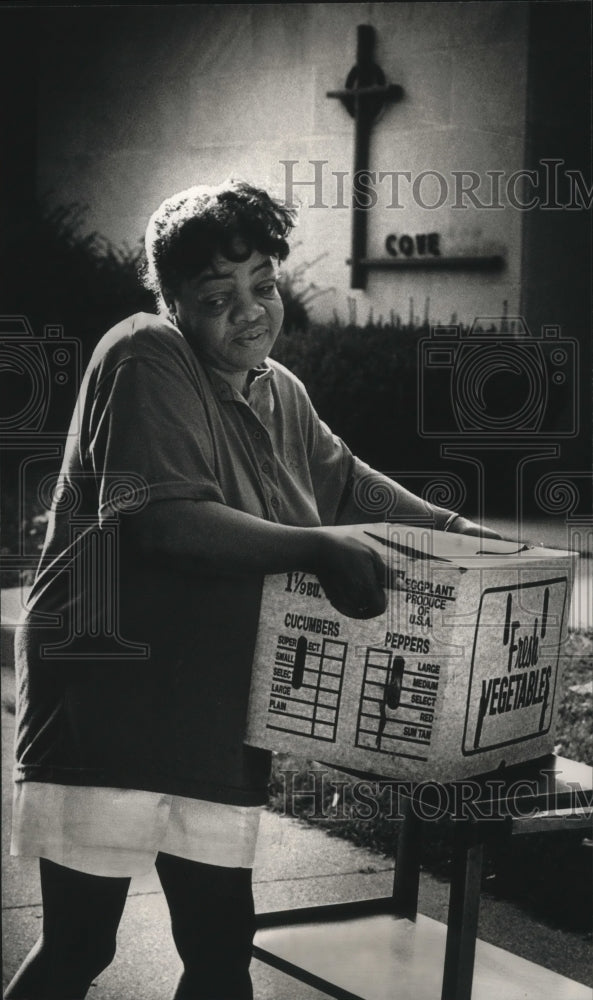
column 557, row 282
column 137, row 102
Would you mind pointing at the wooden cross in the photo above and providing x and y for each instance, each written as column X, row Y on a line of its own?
column 364, row 96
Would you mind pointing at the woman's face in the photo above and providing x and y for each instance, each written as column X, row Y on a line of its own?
column 231, row 313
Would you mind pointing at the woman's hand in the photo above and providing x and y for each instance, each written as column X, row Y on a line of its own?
column 463, row 526
column 208, row 537
column 352, row 576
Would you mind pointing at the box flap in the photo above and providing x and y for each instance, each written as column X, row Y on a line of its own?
column 398, row 543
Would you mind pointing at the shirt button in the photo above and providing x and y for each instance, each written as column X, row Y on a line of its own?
column 266, row 467
column 275, row 502
column 256, row 435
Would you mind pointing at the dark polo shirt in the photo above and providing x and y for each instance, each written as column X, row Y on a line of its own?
column 132, row 673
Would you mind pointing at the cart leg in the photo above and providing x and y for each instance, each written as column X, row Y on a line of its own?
column 464, row 907
column 407, row 867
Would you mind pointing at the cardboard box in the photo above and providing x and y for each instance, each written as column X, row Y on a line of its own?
column 458, row 676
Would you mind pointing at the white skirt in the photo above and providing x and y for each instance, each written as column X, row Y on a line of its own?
column 119, row 832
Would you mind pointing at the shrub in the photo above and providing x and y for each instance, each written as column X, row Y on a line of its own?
column 297, row 295
column 56, row 274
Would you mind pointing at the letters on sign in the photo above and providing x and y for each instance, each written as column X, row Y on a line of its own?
column 420, row 245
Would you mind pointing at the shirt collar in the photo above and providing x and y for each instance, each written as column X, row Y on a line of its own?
column 259, row 378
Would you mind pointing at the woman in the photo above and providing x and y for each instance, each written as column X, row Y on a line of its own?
column 194, row 465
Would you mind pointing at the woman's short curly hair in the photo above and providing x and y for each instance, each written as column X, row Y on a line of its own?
column 190, row 228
